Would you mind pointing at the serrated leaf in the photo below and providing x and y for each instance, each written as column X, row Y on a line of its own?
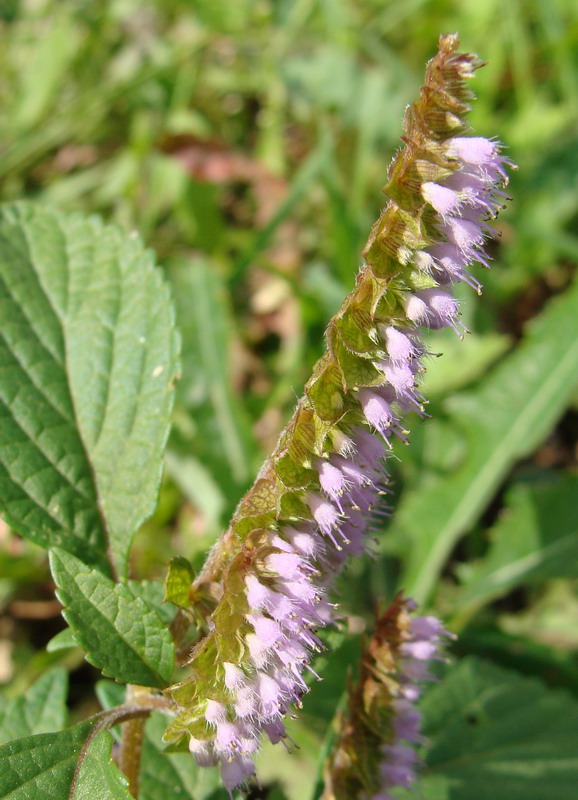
column 99, row 778
column 495, row 735
column 88, row 356
column 41, row 766
column 536, row 538
column 121, row 634
column 41, row 710
column 152, row 593
column 510, row 414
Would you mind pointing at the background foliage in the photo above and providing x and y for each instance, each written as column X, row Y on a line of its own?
column 247, row 142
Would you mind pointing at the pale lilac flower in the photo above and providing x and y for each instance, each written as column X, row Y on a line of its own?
column 424, row 643
column 444, row 200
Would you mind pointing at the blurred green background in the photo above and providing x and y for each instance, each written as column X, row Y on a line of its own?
column 247, row 142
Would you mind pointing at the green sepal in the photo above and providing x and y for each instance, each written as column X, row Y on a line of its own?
column 293, row 474
column 407, row 174
column 231, row 648
column 445, row 124
column 326, row 394
column 227, row 619
column 180, row 745
column 417, row 279
column 356, row 371
column 186, row 692
column 354, row 328
column 234, row 582
column 299, row 437
column 245, row 525
column 261, row 499
column 187, row 724
column 180, row 576
column 260, row 505
column 203, row 658
column 396, row 234
column 381, row 257
column 293, row 507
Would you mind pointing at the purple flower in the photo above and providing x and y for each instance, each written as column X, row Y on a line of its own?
column 424, row 641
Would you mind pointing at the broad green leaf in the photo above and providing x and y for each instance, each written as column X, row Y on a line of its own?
column 535, row 538
column 88, row 356
column 153, row 594
column 41, row 766
column 510, row 414
column 122, row 635
column 98, row 777
column 41, row 710
column 497, row 736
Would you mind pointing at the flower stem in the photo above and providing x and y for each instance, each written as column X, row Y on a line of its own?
column 132, row 738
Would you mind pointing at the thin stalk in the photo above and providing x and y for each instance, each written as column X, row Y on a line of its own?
column 132, row 738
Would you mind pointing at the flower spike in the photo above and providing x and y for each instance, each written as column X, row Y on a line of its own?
column 374, row 751
column 316, row 499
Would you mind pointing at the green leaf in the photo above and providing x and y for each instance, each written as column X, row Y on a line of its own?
column 180, row 576
column 153, row 594
column 525, row 653
column 41, row 710
column 551, row 619
column 109, row 694
column 536, row 538
column 497, row 735
column 462, row 362
column 205, row 320
column 62, row 641
column 41, row 766
column 99, row 778
column 122, row 635
column 88, row 357
column 510, row 414
column 200, row 486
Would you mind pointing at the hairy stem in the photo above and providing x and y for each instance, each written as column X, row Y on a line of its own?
column 132, row 737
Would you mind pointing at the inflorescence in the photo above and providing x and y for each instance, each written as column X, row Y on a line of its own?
column 318, row 498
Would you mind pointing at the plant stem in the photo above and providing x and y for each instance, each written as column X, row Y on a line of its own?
column 132, row 738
